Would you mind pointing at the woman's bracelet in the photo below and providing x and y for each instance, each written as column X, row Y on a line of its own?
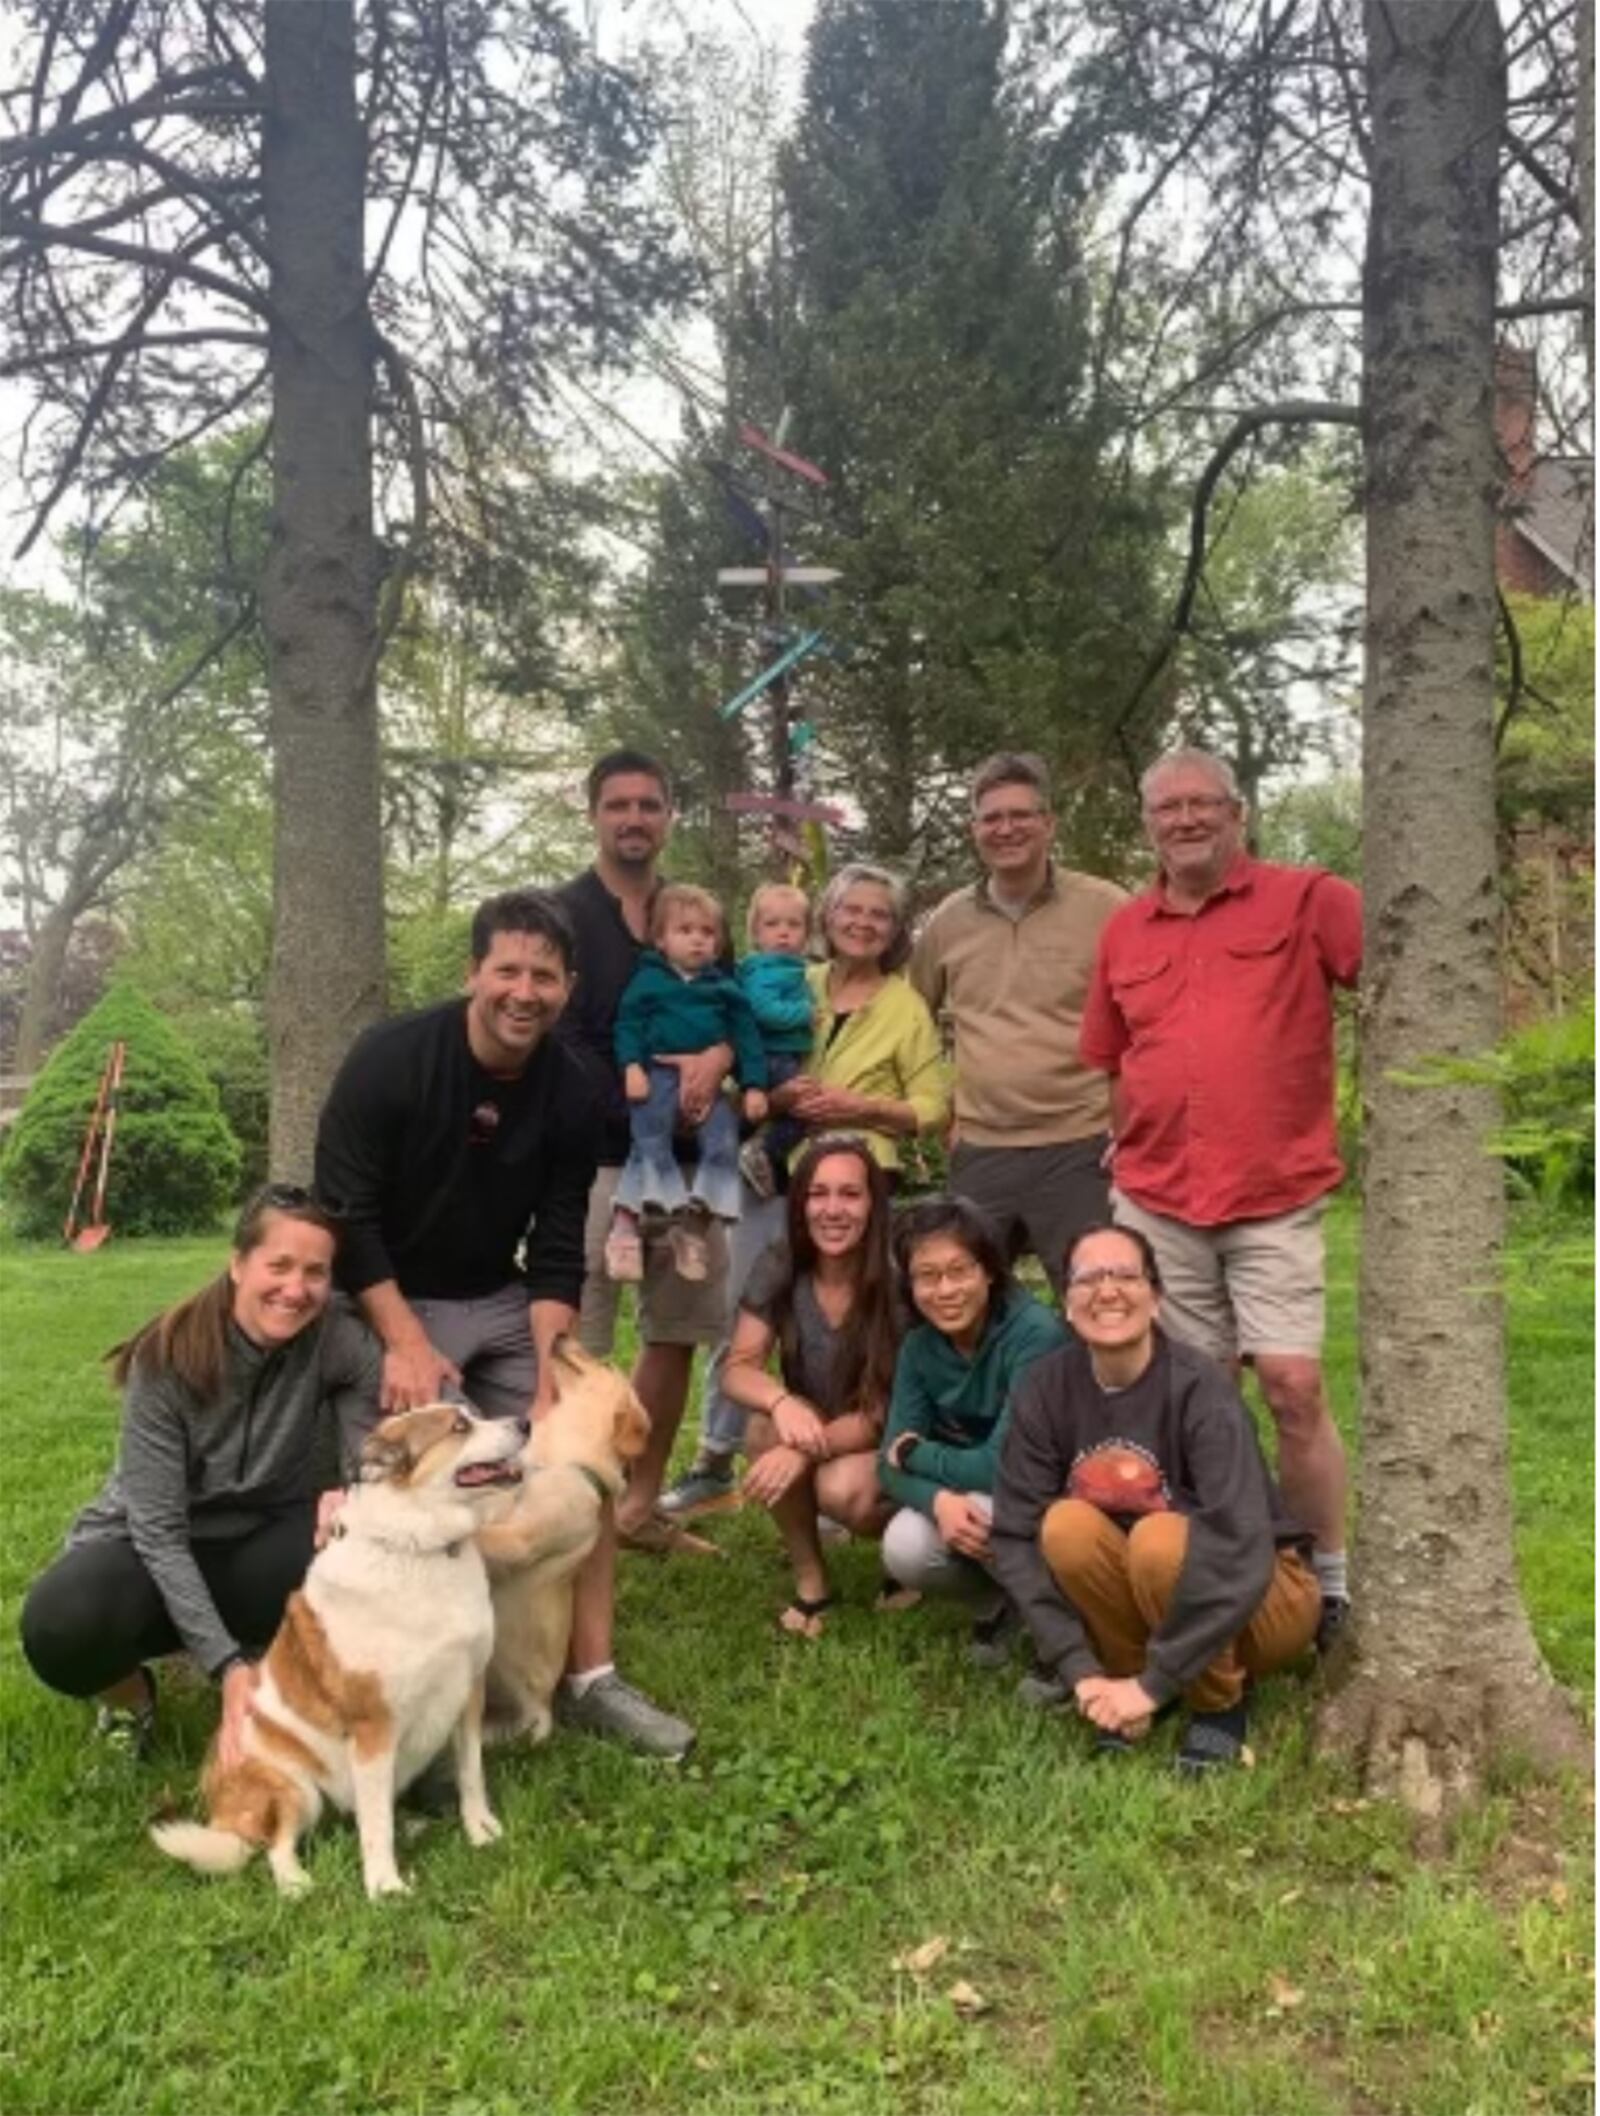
column 783, row 1396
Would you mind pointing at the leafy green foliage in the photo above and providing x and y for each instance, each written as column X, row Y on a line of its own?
column 1545, row 1077
column 1546, row 1072
column 175, row 1163
column 232, row 1047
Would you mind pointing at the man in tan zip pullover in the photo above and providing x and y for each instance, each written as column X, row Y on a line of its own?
column 1007, row 961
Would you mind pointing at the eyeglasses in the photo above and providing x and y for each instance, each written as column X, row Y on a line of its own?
column 1007, row 818
column 1189, row 804
column 924, row 1278
column 1093, row 1275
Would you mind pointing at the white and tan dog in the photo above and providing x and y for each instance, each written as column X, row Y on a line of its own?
column 576, row 1459
column 379, row 1660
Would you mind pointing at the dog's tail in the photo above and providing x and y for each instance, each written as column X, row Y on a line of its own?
column 208, row 1851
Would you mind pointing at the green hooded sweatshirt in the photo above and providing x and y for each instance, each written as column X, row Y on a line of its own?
column 959, row 1406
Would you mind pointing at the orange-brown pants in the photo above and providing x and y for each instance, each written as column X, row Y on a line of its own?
column 1121, row 1586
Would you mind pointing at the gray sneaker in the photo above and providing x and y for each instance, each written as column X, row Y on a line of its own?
column 994, row 1638
column 707, row 1486
column 1043, row 1693
column 615, row 1709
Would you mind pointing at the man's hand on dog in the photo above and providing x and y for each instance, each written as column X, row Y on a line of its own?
column 238, row 1693
column 415, row 1373
column 328, row 1506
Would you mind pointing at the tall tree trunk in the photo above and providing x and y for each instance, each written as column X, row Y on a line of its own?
column 1445, row 1669
column 319, row 590
column 47, row 961
column 1586, row 181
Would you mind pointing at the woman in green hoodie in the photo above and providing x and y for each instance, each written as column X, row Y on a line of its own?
column 979, row 1331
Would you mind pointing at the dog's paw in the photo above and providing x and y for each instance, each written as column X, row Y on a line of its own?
column 389, row 1884
column 482, row 1828
column 297, row 1883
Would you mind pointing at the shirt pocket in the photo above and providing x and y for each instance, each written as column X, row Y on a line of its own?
column 1143, row 990
column 1259, row 961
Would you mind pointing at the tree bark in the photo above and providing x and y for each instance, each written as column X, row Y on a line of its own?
column 46, row 964
column 1444, row 1670
column 319, row 590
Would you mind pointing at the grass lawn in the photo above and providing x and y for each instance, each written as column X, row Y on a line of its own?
column 730, row 1935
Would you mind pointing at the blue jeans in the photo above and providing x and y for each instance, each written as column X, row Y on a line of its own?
column 651, row 1176
column 782, row 1134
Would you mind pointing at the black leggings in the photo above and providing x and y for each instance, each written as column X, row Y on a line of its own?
column 96, row 1615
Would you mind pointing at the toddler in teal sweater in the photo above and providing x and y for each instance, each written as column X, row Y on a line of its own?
column 680, row 1001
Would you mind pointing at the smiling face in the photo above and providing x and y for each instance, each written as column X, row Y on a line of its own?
column 632, row 821
column 1195, row 825
column 1110, row 1300
column 838, row 1205
column 514, row 995
column 950, row 1288
column 862, row 924
column 1012, row 828
column 284, row 1281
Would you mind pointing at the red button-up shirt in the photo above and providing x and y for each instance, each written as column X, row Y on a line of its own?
column 1220, row 1027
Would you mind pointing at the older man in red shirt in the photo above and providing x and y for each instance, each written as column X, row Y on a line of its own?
column 1211, row 1008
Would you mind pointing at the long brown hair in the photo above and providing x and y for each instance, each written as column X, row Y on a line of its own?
column 190, row 1339
column 870, row 1337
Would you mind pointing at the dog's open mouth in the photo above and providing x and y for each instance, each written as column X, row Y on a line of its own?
column 507, row 1472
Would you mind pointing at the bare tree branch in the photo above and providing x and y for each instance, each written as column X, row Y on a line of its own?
column 1292, row 412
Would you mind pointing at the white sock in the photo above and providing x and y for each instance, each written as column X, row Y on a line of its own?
column 1333, row 1574
column 581, row 1685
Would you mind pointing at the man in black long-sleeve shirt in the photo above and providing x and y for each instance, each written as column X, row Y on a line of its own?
column 458, row 1146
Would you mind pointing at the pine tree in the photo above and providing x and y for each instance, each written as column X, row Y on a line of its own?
column 925, row 325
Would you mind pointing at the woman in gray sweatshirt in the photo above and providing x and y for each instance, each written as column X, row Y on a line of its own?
column 231, row 1403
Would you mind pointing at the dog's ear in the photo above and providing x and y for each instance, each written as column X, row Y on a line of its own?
column 393, row 1449
column 384, row 1453
column 630, row 1428
column 569, row 1359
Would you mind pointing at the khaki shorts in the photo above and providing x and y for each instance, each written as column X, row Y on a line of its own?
column 672, row 1310
column 1250, row 1286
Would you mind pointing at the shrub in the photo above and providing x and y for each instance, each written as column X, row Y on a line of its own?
column 175, row 1163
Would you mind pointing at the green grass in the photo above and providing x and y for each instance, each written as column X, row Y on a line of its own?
column 724, row 1937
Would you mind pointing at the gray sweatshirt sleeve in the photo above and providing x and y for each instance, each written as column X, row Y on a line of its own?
column 351, row 1374
column 155, row 1485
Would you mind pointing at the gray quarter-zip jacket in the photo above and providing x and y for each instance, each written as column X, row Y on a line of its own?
column 189, row 1472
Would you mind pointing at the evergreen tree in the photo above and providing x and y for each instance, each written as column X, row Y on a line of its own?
column 924, row 322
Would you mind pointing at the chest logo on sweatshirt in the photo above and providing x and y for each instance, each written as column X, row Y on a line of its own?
column 1119, row 1477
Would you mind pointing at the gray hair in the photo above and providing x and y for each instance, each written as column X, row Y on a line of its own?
column 1012, row 767
column 1190, row 759
column 898, row 947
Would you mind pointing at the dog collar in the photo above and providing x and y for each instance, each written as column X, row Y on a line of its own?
column 336, row 1534
column 592, row 1477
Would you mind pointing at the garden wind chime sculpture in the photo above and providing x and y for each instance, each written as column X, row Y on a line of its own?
column 796, row 823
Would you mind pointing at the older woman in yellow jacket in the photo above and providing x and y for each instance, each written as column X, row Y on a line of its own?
column 876, row 1066
column 876, row 1069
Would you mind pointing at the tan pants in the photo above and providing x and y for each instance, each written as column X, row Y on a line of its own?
column 1121, row 1585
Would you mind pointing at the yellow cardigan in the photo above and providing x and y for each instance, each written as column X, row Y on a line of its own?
column 888, row 1047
